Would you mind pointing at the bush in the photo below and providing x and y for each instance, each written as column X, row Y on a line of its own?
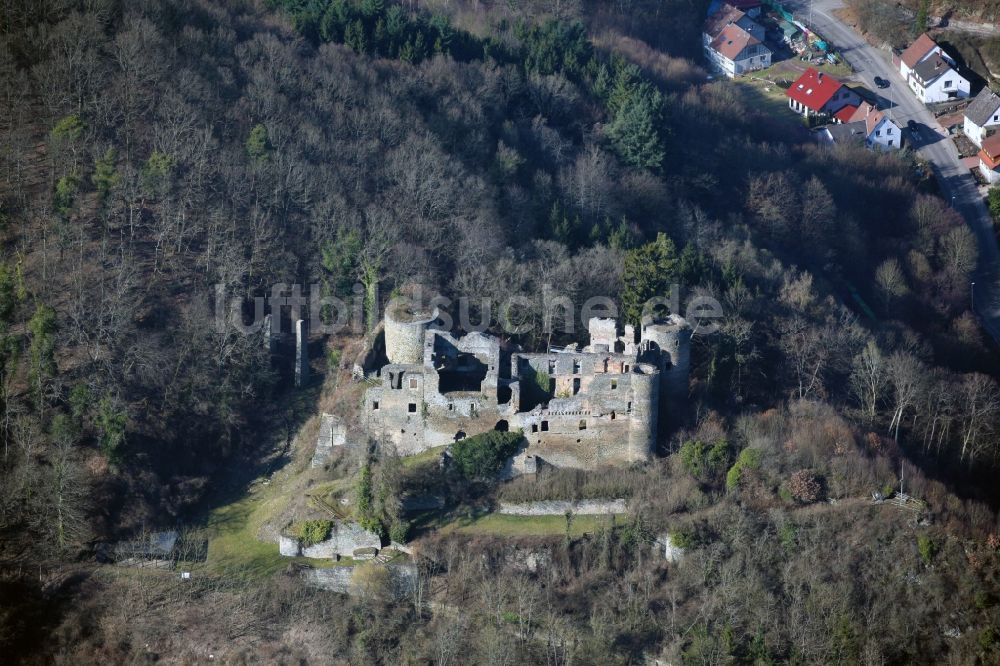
column 993, row 200
column 701, row 460
column 927, row 548
column 684, row 538
column 312, row 532
column 399, row 530
column 749, row 459
column 481, row 456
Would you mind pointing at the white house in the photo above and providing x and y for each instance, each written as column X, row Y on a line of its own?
column 733, row 43
column 865, row 125
column 815, row 93
column 726, row 15
column 989, row 159
column 881, row 133
column 981, row 114
column 931, row 73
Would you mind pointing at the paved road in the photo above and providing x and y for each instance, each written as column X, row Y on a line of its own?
column 957, row 184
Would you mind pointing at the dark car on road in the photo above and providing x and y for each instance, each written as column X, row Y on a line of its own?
column 880, row 82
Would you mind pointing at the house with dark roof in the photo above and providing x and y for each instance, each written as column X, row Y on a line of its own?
column 881, row 132
column 982, row 114
column 842, row 133
column 989, row 159
column 815, row 94
column 865, row 124
column 733, row 43
column 931, row 73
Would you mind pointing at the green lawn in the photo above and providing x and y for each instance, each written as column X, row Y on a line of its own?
column 424, row 457
column 232, row 536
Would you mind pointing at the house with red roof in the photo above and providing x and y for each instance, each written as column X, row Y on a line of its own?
column 931, row 73
column 815, row 94
column 734, row 43
column 989, row 159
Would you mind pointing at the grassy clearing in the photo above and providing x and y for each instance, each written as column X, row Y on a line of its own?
column 422, row 458
column 232, row 538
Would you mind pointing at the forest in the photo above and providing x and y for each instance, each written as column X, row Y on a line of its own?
column 152, row 152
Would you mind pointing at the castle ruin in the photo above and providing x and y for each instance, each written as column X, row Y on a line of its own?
column 577, row 407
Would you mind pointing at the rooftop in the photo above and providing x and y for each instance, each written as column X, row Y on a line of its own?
column 931, row 68
column 990, row 154
column 917, row 50
column 732, row 40
column 982, row 109
column 814, row 89
column 846, row 132
column 726, row 15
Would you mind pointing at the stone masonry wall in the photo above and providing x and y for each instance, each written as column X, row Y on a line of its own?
column 344, row 539
column 596, row 507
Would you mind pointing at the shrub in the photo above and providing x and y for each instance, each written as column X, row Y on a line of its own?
column 399, row 530
column 804, row 486
column 311, row 532
column 927, row 548
column 701, row 460
column 683, row 538
column 481, row 456
column 993, row 200
column 749, row 459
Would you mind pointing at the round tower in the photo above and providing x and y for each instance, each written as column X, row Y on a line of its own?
column 645, row 383
column 672, row 335
column 405, row 326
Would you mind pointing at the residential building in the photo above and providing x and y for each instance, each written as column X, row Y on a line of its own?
column 733, row 43
column 989, row 159
column 842, row 133
column 880, row 131
column 815, row 93
column 865, row 124
column 931, row 73
column 982, row 114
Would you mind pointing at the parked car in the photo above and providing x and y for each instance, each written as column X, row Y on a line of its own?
column 881, row 83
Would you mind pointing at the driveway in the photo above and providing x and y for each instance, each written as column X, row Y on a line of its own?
column 957, row 184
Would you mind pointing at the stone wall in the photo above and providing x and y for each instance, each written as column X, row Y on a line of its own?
column 331, row 434
column 597, row 507
column 344, row 539
column 402, row 579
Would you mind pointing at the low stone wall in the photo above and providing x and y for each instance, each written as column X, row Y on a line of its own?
column 671, row 553
column 331, row 434
column 596, row 507
column 345, row 538
column 402, row 579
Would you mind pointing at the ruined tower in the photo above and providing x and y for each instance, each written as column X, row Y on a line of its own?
column 405, row 326
column 645, row 380
column 670, row 336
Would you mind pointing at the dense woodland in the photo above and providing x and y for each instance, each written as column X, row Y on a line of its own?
column 152, row 150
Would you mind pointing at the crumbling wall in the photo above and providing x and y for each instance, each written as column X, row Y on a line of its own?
column 402, row 579
column 590, row 507
column 344, row 539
